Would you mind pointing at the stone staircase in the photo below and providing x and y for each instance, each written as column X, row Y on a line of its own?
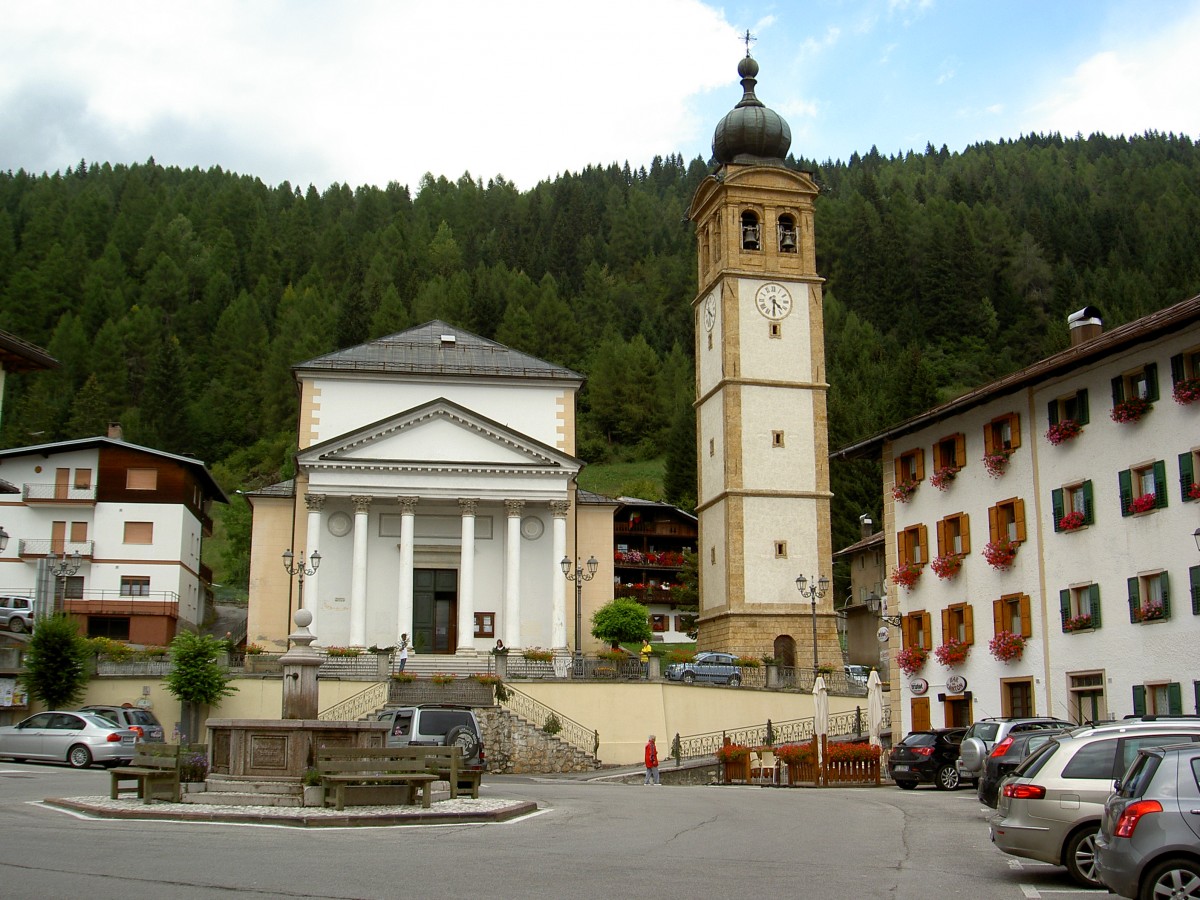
column 461, row 664
column 222, row 791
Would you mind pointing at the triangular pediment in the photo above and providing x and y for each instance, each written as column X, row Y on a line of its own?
column 436, row 435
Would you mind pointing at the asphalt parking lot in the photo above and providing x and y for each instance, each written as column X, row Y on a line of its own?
column 592, row 838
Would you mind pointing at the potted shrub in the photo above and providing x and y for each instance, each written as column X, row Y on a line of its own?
column 996, row 462
column 314, row 791
column 1061, row 432
column 946, row 567
column 1130, row 410
column 906, row 575
column 911, row 659
column 953, row 652
column 1000, row 554
column 1007, row 646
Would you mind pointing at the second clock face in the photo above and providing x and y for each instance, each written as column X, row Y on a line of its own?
column 710, row 312
column 773, row 300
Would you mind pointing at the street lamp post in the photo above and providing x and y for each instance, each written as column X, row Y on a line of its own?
column 578, row 577
column 301, row 569
column 813, row 592
column 63, row 568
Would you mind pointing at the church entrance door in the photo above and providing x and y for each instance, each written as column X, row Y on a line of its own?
column 435, row 610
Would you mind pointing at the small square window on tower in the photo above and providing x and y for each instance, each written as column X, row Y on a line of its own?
column 776, row 331
column 712, row 555
column 712, row 447
column 776, row 438
column 781, row 549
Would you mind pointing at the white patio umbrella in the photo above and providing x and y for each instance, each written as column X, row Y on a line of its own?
column 875, row 707
column 820, row 713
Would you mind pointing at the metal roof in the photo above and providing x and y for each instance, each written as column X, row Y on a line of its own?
column 17, row 355
column 437, row 348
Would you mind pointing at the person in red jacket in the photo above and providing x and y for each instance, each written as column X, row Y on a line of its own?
column 651, row 762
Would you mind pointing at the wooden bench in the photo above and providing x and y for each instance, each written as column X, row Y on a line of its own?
column 342, row 767
column 447, row 764
column 154, row 773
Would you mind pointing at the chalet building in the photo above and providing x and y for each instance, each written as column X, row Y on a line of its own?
column 1041, row 533
column 649, row 540
column 864, row 637
column 434, row 496
column 111, row 533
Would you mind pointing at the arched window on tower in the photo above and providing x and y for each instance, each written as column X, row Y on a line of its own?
column 787, row 234
column 751, row 232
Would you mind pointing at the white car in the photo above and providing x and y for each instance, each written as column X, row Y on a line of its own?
column 76, row 738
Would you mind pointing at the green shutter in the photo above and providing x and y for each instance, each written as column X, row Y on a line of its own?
column 1194, row 574
column 1118, row 389
column 1052, row 412
column 1177, row 371
column 1064, row 606
column 1160, row 484
column 1139, row 699
column 1187, row 475
column 1165, row 581
column 1125, row 485
column 1134, row 599
column 1151, row 382
column 1082, row 402
column 1094, row 603
column 1174, row 699
column 1196, row 698
column 1056, row 501
column 1089, row 508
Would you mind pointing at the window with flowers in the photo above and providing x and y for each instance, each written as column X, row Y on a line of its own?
column 1134, row 392
column 1149, row 597
column 1066, row 416
column 1012, row 613
column 1189, row 464
column 1006, row 521
column 915, row 630
column 954, row 535
column 1001, row 438
column 910, row 472
column 1185, row 377
column 1143, row 487
column 1072, row 506
column 949, row 456
column 958, row 622
column 1079, row 607
column 913, row 545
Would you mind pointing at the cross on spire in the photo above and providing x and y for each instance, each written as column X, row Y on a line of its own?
column 749, row 39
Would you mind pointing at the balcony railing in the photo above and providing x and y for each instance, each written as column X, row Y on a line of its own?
column 647, row 593
column 670, row 529
column 58, row 493
column 114, row 603
column 44, row 547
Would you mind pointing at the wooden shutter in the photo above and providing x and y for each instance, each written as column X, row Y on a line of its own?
column 1194, row 575
column 964, row 530
column 1015, row 428
column 989, row 443
column 1019, row 518
column 1160, row 484
column 993, row 524
column 919, row 464
column 969, row 624
column 1187, row 475
column 1177, row 371
column 960, row 449
column 1081, row 402
column 1064, row 606
column 1052, row 412
column 1089, row 507
column 902, row 548
column 923, row 539
column 946, row 633
column 908, row 631
column 942, row 540
column 1125, row 486
column 897, row 463
column 1165, row 580
column 927, row 621
column 998, row 616
column 1118, row 389
column 1056, row 503
column 1134, row 598
column 1151, row 372
column 920, row 714
column 1139, row 699
column 1174, row 699
column 1026, row 616
column 1094, row 604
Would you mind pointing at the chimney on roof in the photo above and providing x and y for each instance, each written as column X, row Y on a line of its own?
column 866, row 526
column 115, row 432
column 1085, row 325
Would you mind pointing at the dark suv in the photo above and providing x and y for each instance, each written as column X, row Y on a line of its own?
column 1005, row 757
column 985, row 734
column 926, row 757
column 141, row 721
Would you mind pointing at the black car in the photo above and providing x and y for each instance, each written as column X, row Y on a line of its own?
column 1006, row 756
column 926, row 757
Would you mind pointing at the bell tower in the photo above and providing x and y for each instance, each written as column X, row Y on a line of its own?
column 762, row 437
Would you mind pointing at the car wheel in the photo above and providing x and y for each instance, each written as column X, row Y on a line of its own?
column 735, row 680
column 688, row 677
column 1079, row 856
column 1171, row 878
column 947, row 778
column 906, row 785
column 15, row 625
column 79, row 757
column 465, row 738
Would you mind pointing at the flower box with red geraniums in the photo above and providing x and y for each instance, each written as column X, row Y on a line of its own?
column 946, row 567
column 1149, row 611
column 1007, row 646
column 1186, row 391
column 797, row 754
column 912, row 659
column 906, row 575
column 1000, row 554
column 1072, row 521
column 942, row 478
column 1130, row 410
column 1061, row 432
column 1142, row 504
column 1194, row 491
column 952, row 653
column 729, row 753
column 1082, row 622
column 996, row 463
column 903, row 490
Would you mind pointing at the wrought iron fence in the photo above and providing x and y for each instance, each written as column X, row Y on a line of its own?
column 538, row 713
column 361, row 704
column 838, row 683
column 849, row 724
column 133, row 666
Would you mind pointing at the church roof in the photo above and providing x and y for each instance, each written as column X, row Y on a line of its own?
column 751, row 133
column 437, row 348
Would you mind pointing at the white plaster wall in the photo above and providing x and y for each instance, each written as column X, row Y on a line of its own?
column 791, row 467
column 787, row 358
column 772, row 579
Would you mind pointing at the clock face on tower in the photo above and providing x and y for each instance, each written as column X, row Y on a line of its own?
column 773, row 300
column 710, row 312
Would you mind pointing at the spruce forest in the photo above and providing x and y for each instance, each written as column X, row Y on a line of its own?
column 177, row 300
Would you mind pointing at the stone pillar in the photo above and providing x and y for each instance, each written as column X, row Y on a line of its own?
column 559, row 509
column 300, row 666
column 358, row 574
column 404, row 599
column 512, row 574
column 466, row 577
column 315, row 503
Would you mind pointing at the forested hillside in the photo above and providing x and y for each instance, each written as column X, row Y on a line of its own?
column 177, row 300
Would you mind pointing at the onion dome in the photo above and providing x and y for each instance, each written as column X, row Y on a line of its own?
column 750, row 132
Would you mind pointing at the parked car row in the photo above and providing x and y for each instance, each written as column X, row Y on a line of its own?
column 103, row 735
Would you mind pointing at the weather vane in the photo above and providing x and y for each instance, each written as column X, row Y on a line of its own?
column 749, row 39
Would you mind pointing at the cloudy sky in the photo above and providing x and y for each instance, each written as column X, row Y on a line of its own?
column 373, row 91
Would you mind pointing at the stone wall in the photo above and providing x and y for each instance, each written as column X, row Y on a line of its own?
column 516, row 747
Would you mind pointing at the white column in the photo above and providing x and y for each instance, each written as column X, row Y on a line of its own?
column 404, row 600
column 466, row 577
column 559, row 509
column 512, row 574
column 358, row 574
column 315, row 503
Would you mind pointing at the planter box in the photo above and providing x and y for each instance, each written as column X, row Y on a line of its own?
column 314, row 795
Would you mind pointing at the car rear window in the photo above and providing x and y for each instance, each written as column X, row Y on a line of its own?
column 985, row 731
column 1094, row 760
column 1033, row 763
column 141, row 717
column 1137, row 779
column 923, row 739
column 437, row 721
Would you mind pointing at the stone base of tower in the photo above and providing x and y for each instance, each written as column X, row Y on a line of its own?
column 767, row 634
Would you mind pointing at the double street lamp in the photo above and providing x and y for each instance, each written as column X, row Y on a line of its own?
column 62, row 567
column 813, row 591
column 578, row 577
column 301, row 569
